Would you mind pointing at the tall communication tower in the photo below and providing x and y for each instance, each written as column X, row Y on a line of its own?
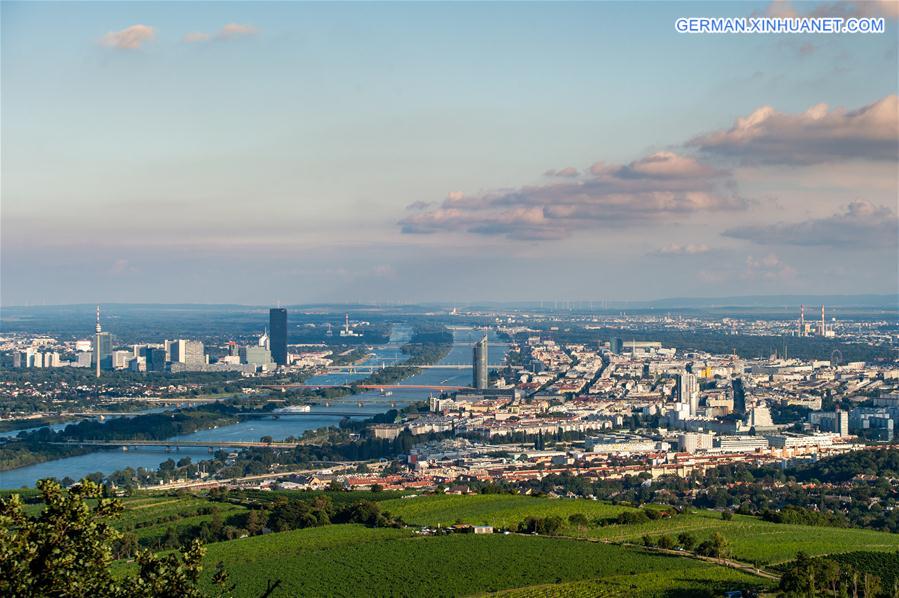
column 97, row 343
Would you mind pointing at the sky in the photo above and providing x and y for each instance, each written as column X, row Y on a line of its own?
column 260, row 152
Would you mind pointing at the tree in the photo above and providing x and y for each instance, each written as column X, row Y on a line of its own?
column 222, row 580
column 716, row 547
column 67, row 550
column 665, row 542
column 579, row 520
column 255, row 522
column 686, row 540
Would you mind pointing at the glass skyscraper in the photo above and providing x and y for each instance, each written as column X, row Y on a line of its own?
column 479, row 364
column 277, row 329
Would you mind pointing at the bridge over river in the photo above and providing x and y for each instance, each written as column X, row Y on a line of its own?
column 177, row 443
column 370, row 386
column 362, row 369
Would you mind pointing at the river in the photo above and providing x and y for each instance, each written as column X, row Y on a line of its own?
column 368, row 403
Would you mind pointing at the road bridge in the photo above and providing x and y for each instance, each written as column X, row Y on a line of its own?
column 369, row 386
column 178, row 443
column 310, row 414
column 361, row 369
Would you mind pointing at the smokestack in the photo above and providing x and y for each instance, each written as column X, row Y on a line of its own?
column 823, row 325
column 802, row 320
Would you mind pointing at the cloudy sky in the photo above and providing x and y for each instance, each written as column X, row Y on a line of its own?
column 231, row 152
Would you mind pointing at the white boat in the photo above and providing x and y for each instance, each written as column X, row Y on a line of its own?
column 294, row 409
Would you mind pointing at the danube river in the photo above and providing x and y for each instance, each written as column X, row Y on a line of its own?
column 253, row 429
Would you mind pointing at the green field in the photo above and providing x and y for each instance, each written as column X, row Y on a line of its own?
column 751, row 539
column 694, row 579
column 148, row 517
column 498, row 510
column 350, row 560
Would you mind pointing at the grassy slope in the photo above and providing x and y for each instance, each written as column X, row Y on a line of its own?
column 349, row 560
column 751, row 539
column 498, row 510
column 146, row 516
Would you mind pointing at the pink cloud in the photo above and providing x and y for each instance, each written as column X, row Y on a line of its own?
column 229, row 31
column 818, row 135
column 769, row 267
column 662, row 185
column 861, row 224
column 569, row 172
column 130, row 38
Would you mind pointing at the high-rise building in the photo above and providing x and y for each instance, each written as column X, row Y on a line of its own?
column 155, row 359
column 195, row 353
column 177, row 350
column 616, row 345
column 739, row 396
column 479, row 364
column 688, row 392
column 277, row 327
column 190, row 353
column 256, row 355
column 120, row 359
column 102, row 348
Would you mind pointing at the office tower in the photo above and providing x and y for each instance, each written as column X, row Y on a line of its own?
column 177, row 351
column 739, row 396
column 102, row 348
column 688, row 392
column 479, row 364
column 120, row 359
column 187, row 352
column 155, row 359
column 256, row 355
column 194, row 353
column 616, row 345
column 277, row 326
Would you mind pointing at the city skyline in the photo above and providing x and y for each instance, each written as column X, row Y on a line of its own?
column 419, row 153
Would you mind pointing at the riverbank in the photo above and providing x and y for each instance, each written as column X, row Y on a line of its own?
column 34, row 447
column 217, row 418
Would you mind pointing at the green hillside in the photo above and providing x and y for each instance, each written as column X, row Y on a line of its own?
column 750, row 538
column 350, row 560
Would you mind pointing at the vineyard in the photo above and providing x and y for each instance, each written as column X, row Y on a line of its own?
column 750, row 539
column 341, row 559
column 150, row 517
column 882, row 564
column 498, row 510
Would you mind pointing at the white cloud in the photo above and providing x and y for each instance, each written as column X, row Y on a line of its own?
column 685, row 249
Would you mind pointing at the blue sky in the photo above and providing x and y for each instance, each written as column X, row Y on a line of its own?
column 276, row 159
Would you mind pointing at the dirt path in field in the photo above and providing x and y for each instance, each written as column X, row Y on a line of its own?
column 738, row 565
